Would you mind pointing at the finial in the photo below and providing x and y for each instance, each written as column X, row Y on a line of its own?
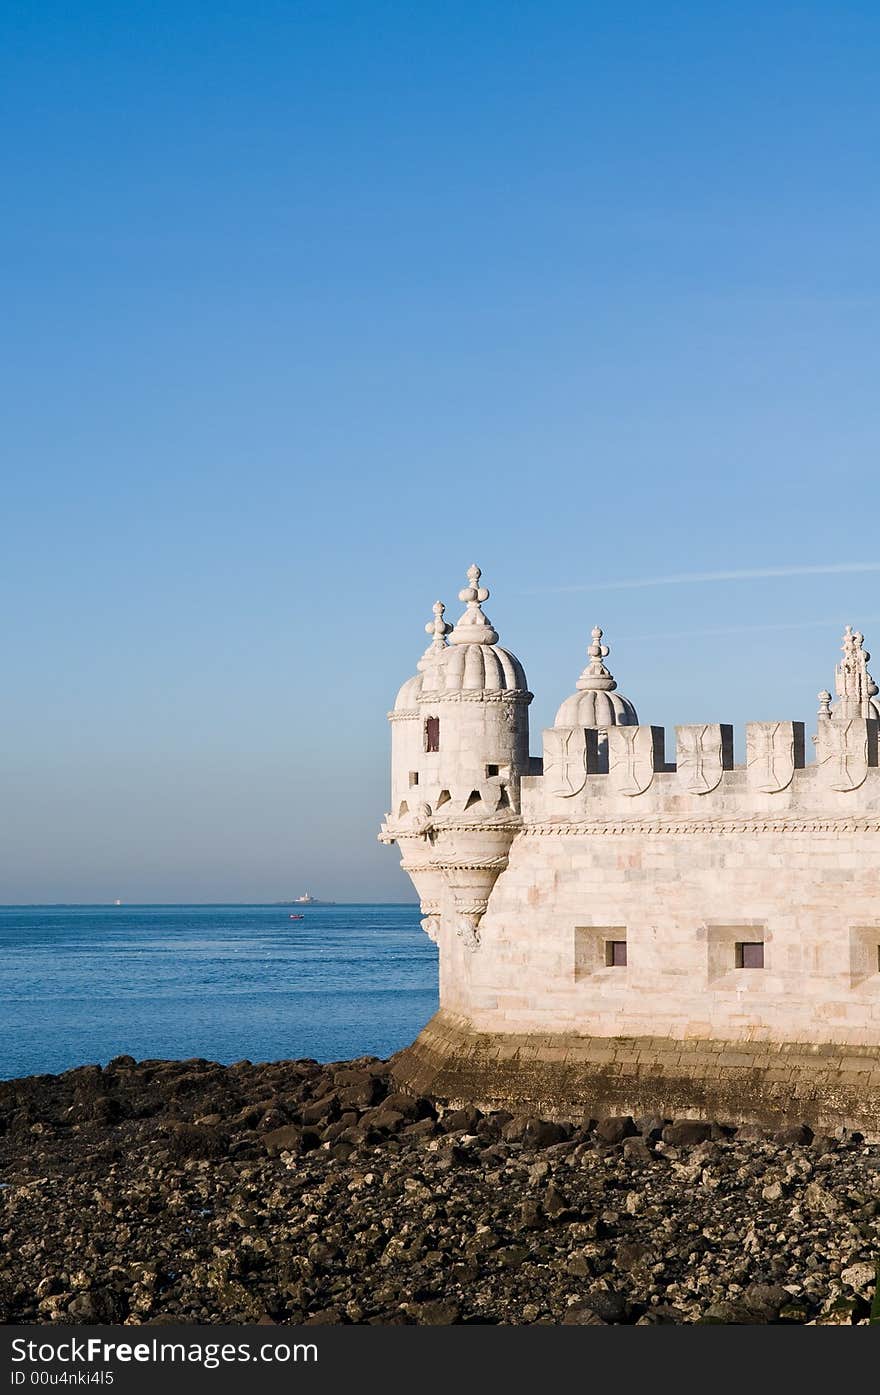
column 596, row 675
column 824, row 703
column 438, row 629
column 853, row 683
column 474, row 627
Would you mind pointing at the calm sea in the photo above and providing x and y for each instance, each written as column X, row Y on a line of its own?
column 81, row 984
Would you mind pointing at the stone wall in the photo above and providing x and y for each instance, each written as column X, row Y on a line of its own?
column 694, row 864
column 564, row 1076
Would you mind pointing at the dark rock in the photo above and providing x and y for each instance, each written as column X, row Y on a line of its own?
column 609, row 1305
column 195, row 1141
column 531, row 1217
column 616, row 1128
column 794, row 1135
column 582, row 1315
column 630, row 1254
column 636, row 1150
column 685, row 1133
column 461, row 1120
column 555, row 1203
column 766, row 1299
column 513, row 1130
column 661, row 1315
column 540, row 1133
column 367, row 1092
column 325, row 1317
column 512, row 1256
column 439, row 1312
column 287, row 1139
column 728, row 1314
column 320, row 1111
column 409, row 1106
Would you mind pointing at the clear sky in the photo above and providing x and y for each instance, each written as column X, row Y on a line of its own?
column 309, row 305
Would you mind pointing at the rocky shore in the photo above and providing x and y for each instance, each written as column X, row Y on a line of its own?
column 294, row 1192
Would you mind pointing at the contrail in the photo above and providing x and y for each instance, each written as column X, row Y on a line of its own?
column 686, row 578
column 665, row 637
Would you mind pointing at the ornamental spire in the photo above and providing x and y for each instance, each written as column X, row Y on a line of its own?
column 853, row 683
column 438, row 628
column 596, row 676
column 474, row 627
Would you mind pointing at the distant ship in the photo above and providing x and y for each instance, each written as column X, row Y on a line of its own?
column 307, row 899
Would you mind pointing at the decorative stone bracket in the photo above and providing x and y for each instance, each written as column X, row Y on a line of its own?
column 467, row 923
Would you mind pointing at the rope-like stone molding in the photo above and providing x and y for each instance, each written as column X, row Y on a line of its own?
column 477, row 864
column 667, row 826
column 430, row 699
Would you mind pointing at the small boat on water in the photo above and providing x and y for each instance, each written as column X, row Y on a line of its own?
column 296, row 917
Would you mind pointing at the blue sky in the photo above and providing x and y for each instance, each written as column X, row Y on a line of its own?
column 309, row 305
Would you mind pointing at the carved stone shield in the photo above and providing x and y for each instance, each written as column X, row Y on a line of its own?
column 770, row 754
column 700, row 756
column 842, row 752
column 565, row 760
column 630, row 759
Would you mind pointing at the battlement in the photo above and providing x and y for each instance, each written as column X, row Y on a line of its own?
column 624, row 773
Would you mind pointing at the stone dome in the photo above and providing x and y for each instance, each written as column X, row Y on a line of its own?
column 472, row 667
column 408, row 696
column 473, row 661
column 596, row 702
column 597, row 709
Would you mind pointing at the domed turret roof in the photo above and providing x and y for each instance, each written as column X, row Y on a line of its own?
column 408, row 696
column 596, row 702
column 473, row 660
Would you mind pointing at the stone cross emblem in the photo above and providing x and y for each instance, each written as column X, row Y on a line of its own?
column 630, row 759
column 699, row 757
column 565, row 760
column 842, row 752
column 770, row 755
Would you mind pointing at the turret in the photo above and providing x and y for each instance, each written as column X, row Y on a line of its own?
column 577, row 743
column 408, row 739
column 460, row 747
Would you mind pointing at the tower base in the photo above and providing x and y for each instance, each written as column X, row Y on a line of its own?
column 565, row 1076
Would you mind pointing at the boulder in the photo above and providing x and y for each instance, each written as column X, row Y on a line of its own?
column 616, row 1128
column 685, row 1133
column 287, row 1139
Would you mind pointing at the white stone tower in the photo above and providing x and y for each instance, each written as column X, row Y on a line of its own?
column 460, row 746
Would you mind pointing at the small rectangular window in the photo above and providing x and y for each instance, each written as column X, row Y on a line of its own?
column 615, row 954
column 432, row 733
column 750, row 954
column 491, row 770
column 414, row 777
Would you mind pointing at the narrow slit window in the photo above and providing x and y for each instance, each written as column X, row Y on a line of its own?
column 432, row 733
column 615, row 954
column 750, row 954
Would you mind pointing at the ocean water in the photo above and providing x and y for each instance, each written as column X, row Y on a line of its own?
column 80, row 984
